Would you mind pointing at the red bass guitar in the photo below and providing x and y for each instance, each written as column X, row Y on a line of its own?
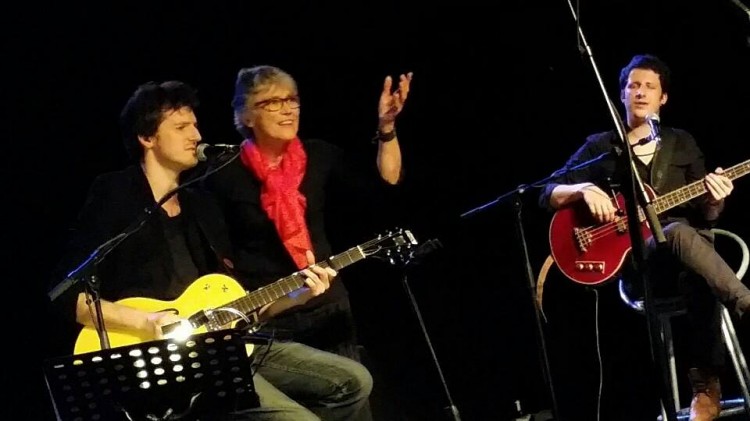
column 591, row 253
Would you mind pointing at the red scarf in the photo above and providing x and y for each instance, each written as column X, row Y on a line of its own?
column 280, row 195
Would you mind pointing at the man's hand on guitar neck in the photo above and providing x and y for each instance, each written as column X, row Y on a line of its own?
column 719, row 187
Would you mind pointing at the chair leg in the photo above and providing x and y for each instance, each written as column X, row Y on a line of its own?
column 663, row 416
column 667, row 340
column 735, row 352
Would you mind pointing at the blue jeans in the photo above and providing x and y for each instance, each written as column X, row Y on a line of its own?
column 297, row 382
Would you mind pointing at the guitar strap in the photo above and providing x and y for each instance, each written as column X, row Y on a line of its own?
column 540, row 283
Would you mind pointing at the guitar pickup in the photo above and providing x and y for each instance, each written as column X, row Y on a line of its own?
column 589, row 266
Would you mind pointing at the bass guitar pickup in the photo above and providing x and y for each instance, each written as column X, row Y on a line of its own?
column 589, row 266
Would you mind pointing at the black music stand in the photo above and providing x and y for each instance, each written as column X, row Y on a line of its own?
column 157, row 380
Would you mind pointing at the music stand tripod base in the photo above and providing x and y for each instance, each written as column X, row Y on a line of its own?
column 153, row 380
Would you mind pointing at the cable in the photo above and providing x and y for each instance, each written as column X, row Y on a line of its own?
column 265, row 354
column 249, row 323
column 233, row 310
column 598, row 354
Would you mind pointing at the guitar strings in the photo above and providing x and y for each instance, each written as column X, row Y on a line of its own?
column 609, row 227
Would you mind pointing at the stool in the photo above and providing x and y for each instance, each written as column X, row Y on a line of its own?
column 667, row 308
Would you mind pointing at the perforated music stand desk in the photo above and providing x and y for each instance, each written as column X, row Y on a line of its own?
column 155, row 380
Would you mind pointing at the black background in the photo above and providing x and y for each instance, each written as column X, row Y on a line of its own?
column 501, row 96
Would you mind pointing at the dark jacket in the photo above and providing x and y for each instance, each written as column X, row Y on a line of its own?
column 678, row 161
column 142, row 265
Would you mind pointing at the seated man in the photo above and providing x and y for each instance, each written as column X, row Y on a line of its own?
column 666, row 164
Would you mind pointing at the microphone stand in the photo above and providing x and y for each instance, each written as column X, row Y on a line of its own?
column 528, row 271
column 637, row 192
column 85, row 272
column 415, row 258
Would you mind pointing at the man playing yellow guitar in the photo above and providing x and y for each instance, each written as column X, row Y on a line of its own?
column 181, row 241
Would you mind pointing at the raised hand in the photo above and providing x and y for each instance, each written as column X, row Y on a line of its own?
column 391, row 103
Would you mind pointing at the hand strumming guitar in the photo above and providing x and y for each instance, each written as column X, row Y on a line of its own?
column 156, row 321
column 599, row 203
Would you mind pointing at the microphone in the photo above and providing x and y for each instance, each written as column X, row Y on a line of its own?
column 206, row 151
column 654, row 122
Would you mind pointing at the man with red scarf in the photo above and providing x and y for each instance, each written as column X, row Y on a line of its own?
column 274, row 198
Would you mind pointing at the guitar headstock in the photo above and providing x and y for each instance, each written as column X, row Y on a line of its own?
column 393, row 246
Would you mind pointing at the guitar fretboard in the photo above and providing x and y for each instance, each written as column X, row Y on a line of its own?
column 695, row 189
column 272, row 292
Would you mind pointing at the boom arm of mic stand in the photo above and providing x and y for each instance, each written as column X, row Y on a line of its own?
column 523, row 187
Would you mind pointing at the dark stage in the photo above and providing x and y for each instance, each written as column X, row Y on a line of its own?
column 501, row 96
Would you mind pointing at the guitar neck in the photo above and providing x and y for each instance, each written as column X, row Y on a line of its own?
column 695, row 189
column 272, row 292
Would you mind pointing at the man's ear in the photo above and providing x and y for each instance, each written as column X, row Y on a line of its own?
column 146, row 142
column 663, row 99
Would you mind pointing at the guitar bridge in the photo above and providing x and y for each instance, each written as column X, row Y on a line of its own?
column 583, row 238
column 212, row 322
column 621, row 224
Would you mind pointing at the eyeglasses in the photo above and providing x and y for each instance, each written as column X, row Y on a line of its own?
column 275, row 104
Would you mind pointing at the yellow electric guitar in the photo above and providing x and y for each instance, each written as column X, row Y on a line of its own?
column 217, row 301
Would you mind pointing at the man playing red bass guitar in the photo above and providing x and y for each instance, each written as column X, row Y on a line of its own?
column 589, row 238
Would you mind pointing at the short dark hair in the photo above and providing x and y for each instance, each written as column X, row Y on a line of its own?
column 650, row 62
column 145, row 110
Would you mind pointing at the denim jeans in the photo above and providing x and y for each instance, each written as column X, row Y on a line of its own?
column 297, row 382
column 330, row 327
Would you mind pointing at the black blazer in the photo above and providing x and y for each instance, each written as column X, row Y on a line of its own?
column 678, row 161
column 141, row 266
